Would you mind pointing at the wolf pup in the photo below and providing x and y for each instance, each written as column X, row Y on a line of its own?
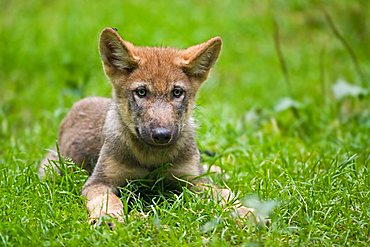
column 147, row 123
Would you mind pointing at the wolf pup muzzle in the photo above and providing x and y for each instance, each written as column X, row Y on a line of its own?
column 158, row 136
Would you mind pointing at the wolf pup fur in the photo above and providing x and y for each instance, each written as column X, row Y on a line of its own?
column 147, row 123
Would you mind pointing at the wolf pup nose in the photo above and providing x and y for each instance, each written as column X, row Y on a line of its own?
column 146, row 125
column 161, row 136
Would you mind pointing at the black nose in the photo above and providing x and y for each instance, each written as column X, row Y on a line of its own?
column 161, row 135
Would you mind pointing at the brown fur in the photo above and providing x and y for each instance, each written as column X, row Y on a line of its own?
column 147, row 123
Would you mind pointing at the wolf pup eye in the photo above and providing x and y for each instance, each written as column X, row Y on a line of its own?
column 141, row 92
column 177, row 92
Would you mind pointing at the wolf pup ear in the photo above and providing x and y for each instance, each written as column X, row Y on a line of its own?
column 199, row 59
column 116, row 54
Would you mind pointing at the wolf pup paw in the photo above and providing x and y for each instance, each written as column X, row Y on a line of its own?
column 245, row 212
column 108, row 219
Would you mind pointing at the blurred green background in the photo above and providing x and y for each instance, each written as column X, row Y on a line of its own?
column 268, row 110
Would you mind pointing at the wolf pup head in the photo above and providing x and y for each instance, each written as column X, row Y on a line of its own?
column 154, row 87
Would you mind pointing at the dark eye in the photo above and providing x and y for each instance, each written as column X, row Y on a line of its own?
column 177, row 92
column 141, row 92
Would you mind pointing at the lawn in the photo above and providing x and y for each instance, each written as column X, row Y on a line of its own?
column 285, row 116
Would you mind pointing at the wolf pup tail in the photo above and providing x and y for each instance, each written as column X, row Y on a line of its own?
column 48, row 164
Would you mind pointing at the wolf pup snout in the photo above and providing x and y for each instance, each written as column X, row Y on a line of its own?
column 161, row 136
column 158, row 136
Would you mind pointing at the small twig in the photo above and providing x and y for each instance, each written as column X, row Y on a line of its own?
column 280, row 55
column 322, row 75
column 345, row 44
column 283, row 65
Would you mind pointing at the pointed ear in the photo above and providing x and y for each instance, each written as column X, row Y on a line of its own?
column 117, row 55
column 199, row 59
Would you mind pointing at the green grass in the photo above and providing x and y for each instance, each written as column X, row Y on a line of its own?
column 312, row 158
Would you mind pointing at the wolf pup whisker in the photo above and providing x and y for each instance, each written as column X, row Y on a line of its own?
column 147, row 123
